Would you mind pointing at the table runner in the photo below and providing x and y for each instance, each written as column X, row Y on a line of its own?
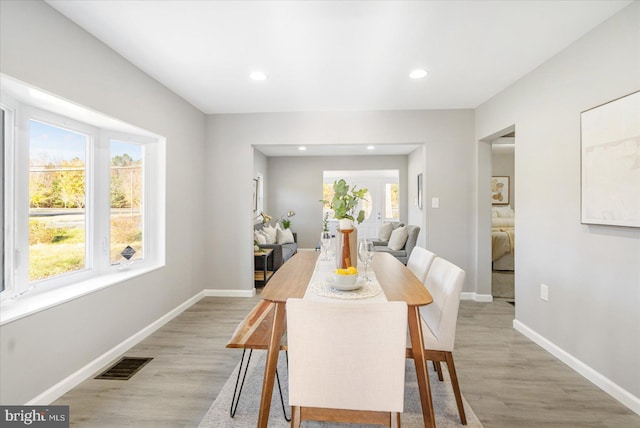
column 325, row 268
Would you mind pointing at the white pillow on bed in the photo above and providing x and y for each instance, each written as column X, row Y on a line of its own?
column 504, row 212
column 502, row 222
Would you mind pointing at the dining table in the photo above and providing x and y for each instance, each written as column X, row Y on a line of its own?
column 304, row 272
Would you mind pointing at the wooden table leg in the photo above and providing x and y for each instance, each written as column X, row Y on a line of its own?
column 277, row 330
column 422, row 373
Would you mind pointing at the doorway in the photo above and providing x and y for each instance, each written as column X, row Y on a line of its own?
column 503, row 208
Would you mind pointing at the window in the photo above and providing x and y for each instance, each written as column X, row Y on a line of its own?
column 57, row 201
column 83, row 197
column 392, row 201
column 126, row 201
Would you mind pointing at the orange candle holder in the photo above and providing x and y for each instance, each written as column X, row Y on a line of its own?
column 346, row 250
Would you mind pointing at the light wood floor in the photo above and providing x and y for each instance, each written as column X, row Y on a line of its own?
column 508, row 380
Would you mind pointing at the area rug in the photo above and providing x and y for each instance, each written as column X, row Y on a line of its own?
column 246, row 415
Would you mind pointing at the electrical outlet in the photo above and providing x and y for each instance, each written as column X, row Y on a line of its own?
column 544, row 292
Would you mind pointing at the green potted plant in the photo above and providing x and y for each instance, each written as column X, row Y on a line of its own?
column 345, row 204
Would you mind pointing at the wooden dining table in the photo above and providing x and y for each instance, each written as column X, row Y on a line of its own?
column 398, row 284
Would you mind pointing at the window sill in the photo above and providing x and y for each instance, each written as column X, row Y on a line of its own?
column 13, row 309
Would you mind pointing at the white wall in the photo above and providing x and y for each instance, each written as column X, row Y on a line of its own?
column 593, row 272
column 417, row 163
column 41, row 47
column 449, row 174
column 296, row 182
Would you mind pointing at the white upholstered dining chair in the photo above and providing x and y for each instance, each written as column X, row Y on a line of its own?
column 346, row 361
column 420, row 261
column 439, row 319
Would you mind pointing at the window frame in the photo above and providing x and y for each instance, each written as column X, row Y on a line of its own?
column 21, row 297
column 8, row 106
column 25, row 115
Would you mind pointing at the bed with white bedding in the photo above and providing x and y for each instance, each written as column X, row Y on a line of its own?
column 502, row 238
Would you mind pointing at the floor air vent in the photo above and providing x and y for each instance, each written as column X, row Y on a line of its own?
column 124, row 369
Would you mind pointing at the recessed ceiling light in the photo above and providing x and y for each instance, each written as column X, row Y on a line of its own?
column 258, row 75
column 371, row 148
column 302, row 148
column 418, row 73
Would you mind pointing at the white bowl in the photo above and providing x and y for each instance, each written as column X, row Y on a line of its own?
column 345, row 279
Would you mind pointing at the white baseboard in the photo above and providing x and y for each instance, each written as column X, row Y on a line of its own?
column 476, row 297
column 229, row 293
column 602, row 382
column 70, row 382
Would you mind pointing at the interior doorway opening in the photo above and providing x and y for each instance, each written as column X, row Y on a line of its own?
column 503, row 208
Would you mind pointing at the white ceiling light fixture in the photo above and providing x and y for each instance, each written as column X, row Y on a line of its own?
column 258, row 75
column 302, row 148
column 418, row 73
column 371, row 148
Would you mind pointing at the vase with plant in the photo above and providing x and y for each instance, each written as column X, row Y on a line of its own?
column 345, row 204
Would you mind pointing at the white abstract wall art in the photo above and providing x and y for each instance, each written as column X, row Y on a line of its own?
column 610, row 165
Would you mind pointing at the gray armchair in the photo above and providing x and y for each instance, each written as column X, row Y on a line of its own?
column 403, row 253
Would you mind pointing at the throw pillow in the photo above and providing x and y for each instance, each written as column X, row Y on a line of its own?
column 284, row 236
column 385, row 231
column 504, row 212
column 398, row 238
column 271, row 232
column 259, row 237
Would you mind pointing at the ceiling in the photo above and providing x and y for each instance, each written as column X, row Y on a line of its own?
column 336, row 56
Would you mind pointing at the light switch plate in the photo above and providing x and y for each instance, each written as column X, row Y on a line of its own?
column 544, row 292
column 435, row 202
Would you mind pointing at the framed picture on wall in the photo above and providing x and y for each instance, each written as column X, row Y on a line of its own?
column 500, row 190
column 255, row 195
column 420, row 191
column 610, row 163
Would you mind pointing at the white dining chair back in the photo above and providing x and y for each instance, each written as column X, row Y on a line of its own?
column 347, row 356
column 444, row 282
column 420, row 261
column 439, row 320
